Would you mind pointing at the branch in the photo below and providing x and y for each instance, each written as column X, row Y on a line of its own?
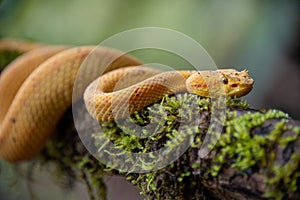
column 256, row 156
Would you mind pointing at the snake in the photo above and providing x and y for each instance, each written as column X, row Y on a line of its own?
column 37, row 89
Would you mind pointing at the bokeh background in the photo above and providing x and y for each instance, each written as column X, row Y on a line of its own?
column 261, row 36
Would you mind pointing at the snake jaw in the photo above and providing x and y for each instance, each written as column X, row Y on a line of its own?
column 241, row 90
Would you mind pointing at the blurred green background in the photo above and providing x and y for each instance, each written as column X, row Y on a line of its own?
column 262, row 36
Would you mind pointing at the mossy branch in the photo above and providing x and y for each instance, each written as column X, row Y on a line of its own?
column 256, row 156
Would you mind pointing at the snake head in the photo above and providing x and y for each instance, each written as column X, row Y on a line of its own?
column 236, row 83
column 225, row 82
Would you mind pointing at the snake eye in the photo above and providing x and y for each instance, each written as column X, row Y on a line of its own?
column 224, row 80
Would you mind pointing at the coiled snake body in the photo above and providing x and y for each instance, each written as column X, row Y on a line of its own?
column 36, row 89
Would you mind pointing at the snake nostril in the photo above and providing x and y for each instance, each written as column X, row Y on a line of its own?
column 234, row 85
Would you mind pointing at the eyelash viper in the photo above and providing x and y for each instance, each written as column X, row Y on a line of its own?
column 36, row 90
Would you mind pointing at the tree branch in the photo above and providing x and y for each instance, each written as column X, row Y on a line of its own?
column 256, row 156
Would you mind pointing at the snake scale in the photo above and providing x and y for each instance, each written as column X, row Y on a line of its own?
column 36, row 90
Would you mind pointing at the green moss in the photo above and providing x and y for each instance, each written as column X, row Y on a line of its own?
column 237, row 103
column 246, row 150
column 173, row 121
column 284, row 179
column 237, row 142
column 169, row 115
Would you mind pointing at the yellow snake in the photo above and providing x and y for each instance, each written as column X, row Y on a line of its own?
column 36, row 90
